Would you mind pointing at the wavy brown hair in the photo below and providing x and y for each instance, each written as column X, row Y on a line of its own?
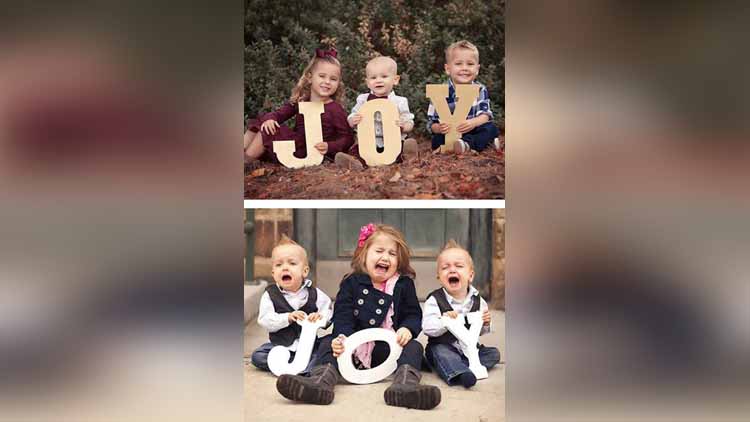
column 301, row 91
column 360, row 254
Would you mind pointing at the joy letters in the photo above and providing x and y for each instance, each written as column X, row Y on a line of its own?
column 466, row 95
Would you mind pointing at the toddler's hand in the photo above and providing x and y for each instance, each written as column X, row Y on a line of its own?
column 355, row 120
column 403, row 335
column 337, row 345
column 406, row 126
column 322, row 147
column 269, row 127
column 486, row 317
column 452, row 314
column 441, row 128
column 296, row 316
column 465, row 126
column 314, row 317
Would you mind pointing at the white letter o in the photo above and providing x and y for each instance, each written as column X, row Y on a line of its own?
column 368, row 376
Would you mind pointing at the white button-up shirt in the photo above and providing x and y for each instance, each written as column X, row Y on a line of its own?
column 433, row 326
column 272, row 321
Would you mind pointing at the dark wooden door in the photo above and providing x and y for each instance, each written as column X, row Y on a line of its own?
column 330, row 236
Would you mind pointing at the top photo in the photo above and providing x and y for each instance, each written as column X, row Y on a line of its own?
column 374, row 100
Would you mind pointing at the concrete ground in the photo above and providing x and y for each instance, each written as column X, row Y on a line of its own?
column 484, row 402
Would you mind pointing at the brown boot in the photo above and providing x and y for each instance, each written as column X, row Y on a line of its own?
column 410, row 149
column 406, row 391
column 346, row 161
column 315, row 389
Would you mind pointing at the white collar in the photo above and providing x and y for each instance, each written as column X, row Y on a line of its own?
column 472, row 292
column 393, row 92
column 306, row 283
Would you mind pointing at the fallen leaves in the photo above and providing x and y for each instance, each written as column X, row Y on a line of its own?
column 437, row 176
column 428, row 196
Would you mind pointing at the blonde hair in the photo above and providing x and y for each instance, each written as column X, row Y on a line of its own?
column 285, row 240
column 301, row 91
column 452, row 244
column 392, row 63
column 360, row 254
column 461, row 44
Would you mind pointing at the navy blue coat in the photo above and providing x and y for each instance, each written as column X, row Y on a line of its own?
column 359, row 305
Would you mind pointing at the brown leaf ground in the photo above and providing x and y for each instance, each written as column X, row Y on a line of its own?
column 431, row 176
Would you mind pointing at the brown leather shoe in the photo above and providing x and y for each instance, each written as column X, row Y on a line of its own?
column 407, row 392
column 315, row 389
column 410, row 150
column 347, row 161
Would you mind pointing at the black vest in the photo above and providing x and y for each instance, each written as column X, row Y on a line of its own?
column 444, row 306
column 286, row 336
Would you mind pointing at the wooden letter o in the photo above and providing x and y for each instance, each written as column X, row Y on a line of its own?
column 368, row 376
column 391, row 133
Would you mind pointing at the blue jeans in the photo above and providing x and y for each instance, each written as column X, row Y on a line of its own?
column 449, row 362
column 260, row 357
column 478, row 138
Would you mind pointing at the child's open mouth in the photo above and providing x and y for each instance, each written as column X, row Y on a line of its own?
column 382, row 268
column 454, row 281
column 286, row 278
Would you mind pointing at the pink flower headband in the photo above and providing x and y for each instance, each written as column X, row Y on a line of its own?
column 326, row 53
column 364, row 233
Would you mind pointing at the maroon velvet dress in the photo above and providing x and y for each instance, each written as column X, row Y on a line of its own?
column 336, row 131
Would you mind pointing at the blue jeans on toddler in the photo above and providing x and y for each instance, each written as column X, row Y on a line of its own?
column 260, row 357
column 449, row 363
column 478, row 138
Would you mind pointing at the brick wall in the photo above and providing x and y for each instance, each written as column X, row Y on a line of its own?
column 270, row 224
column 498, row 259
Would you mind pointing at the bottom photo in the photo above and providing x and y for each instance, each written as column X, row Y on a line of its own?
column 365, row 314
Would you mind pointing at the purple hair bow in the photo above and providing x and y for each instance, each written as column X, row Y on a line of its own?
column 326, row 53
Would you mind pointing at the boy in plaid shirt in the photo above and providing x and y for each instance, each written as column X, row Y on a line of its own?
column 477, row 132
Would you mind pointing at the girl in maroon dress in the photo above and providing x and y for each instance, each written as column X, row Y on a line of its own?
column 320, row 81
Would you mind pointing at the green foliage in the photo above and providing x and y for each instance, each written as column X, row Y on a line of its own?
column 280, row 38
